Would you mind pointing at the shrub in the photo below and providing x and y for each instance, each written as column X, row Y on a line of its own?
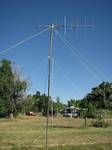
column 100, row 123
column 89, row 112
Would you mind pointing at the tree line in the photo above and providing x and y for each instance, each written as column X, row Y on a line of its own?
column 13, row 97
column 100, row 97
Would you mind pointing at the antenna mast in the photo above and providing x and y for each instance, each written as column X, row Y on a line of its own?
column 49, row 82
column 52, row 28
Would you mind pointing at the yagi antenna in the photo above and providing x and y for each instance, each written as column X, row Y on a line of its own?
column 65, row 23
column 52, row 28
column 56, row 22
column 76, row 21
column 85, row 22
column 71, row 22
column 94, row 23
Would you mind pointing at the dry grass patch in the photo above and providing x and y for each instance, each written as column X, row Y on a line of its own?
column 30, row 132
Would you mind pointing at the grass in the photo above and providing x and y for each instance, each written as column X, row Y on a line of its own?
column 29, row 133
column 98, row 146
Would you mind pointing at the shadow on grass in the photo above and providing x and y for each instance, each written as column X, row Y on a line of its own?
column 69, row 127
column 57, row 126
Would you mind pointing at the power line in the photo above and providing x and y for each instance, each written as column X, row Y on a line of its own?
column 64, row 74
column 42, row 63
column 81, row 58
column 88, row 61
column 27, row 39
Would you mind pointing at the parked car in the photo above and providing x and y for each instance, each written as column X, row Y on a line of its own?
column 30, row 113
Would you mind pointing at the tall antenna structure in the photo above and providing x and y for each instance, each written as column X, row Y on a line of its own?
column 52, row 28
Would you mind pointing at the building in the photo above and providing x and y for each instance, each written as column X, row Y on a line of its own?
column 71, row 112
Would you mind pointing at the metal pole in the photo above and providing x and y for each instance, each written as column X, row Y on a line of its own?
column 49, row 85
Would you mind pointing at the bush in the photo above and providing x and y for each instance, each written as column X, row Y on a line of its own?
column 100, row 123
column 89, row 112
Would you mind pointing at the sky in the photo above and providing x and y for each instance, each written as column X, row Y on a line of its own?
column 71, row 75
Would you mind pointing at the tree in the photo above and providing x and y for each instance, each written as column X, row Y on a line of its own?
column 40, row 103
column 100, row 96
column 28, row 104
column 18, row 90
column 18, row 93
column 73, row 102
column 6, row 86
column 58, row 105
column 12, row 88
column 36, row 105
column 91, row 111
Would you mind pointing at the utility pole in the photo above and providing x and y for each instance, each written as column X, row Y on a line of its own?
column 53, row 27
column 49, row 83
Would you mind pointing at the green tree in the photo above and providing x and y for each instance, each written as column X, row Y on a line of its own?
column 91, row 111
column 18, row 93
column 58, row 105
column 40, row 103
column 6, row 86
column 73, row 102
column 11, row 88
column 100, row 96
column 28, row 104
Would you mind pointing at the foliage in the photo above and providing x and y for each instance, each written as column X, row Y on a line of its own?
column 27, row 104
column 6, row 86
column 100, row 120
column 11, row 89
column 82, row 113
column 12, row 96
column 39, row 103
column 89, row 112
column 100, row 123
column 100, row 97
column 58, row 106
column 108, row 113
column 74, row 102
column 18, row 95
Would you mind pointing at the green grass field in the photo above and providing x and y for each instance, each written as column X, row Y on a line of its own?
column 64, row 134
